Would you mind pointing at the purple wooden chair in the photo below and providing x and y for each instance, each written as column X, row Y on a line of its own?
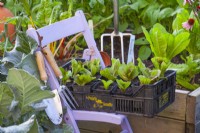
column 63, row 29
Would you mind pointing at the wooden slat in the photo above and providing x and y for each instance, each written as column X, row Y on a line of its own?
column 192, row 128
column 88, row 131
column 97, row 127
column 176, row 110
column 139, row 124
column 156, row 125
column 193, row 107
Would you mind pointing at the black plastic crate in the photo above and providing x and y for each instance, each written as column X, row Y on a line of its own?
column 94, row 101
column 97, row 100
column 149, row 99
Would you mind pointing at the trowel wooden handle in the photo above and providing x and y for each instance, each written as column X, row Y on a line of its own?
column 50, row 58
column 41, row 66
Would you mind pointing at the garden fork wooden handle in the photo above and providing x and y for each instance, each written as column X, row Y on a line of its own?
column 50, row 58
column 41, row 67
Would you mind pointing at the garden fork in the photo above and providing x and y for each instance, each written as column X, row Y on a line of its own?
column 121, row 35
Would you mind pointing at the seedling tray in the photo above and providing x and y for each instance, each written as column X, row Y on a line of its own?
column 148, row 100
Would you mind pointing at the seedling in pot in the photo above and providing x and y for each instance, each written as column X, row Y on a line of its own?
column 93, row 66
column 66, row 75
column 106, row 84
column 148, row 76
column 123, row 85
column 76, row 67
column 83, row 79
column 111, row 73
column 128, row 72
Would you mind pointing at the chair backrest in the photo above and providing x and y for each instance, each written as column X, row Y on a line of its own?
column 64, row 28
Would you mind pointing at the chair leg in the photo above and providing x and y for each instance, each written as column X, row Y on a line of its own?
column 69, row 119
column 126, row 126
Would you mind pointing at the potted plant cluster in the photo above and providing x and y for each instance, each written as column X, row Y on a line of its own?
column 123, row 88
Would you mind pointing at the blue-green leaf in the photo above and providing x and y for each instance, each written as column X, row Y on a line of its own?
column 27, row 88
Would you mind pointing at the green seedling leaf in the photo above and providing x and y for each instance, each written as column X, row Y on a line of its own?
column 106, row 84
column 142, row 68
column 186, row 84
column 107, row 73
column 93, row 66
column 83, row 79
column 128, row 71
column 144, row 52
column 111, row 73
column 115, row 66
column 123, row 85
column 153, row 77
column 147, row 75
column 144, row 80
column 66, row 75
column 76, row 67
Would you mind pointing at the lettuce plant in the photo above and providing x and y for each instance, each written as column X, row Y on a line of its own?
column 111, row 73
column 147, row 75
column 185, row 72
column 76, row 66
column 66, row 75
column 123, row 85
column 93, row 66
column 83, row 79
column 165, row 45
column 106, row 84
column 128, row 72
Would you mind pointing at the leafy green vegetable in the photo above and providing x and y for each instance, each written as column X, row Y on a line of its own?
column 186, row 72
column 76, row 66
column 164, row 45
column 128, row 71
column 93, row 66
column 108, row 74
column 66, row 75
column 148, row 76
column 107, row 83
column 115, row 66
column 111, row 73
column 83, row 79
column 27, row 88
column 123, row 85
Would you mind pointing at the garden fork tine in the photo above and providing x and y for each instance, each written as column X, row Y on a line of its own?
column 116, row 33
column 66, row 93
